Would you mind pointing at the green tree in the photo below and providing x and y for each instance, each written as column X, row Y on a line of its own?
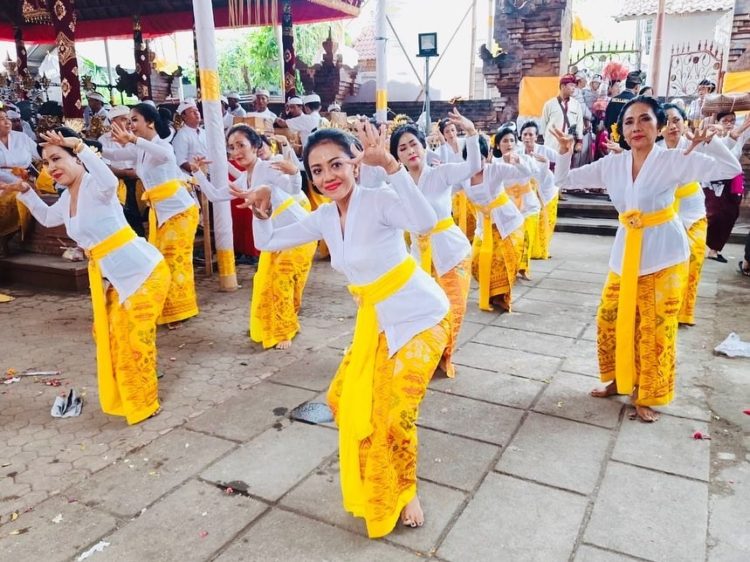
column 253, row 61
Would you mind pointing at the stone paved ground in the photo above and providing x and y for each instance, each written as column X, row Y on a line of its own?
column 516, row 461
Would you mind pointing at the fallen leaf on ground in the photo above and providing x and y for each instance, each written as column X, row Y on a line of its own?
column 699, row 435
column 229, row 490
column 19, row 531
column 14, row 516
column 203, row 534
column 747, row 412
column 57, row 518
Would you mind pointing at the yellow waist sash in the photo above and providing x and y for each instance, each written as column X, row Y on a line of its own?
column 485, row 250
column 634, row 222
column 424, row 242
column 283, row 207
column 98, row 300
column 355, row 406
column 687, row 190
column 517, row 191
column 462, row 211
column 152, row 197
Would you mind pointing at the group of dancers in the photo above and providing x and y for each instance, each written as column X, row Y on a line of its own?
column 407, row 226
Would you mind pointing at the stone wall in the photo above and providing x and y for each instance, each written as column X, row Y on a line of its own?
column 532, row 38
column 739, row 48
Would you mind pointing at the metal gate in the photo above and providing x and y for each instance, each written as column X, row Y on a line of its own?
column 594, row 57
column 688, row 66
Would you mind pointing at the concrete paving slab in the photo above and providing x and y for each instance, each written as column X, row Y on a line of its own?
column 319, row 497
column 251, row 411
column 568, row 396
column 474, row 314
column 274, row 461
column 583, row 300
column 681, row 502
column 582, row 359
column 190, row 524
column 453, row 461
column 554, row 323
column 577, row 286
column 56, row 529
column 128, row 486
column 588, row 553
column 668, row 446
column 525, row 305
column 470, row 418
column 544, row 443
column 508, row 361
column 730, row 506
column 313, row 372
column 281, row 536
column 494, row 526
column 468, row 331
column 543, row 344
column 498, row 388
column 580, row 276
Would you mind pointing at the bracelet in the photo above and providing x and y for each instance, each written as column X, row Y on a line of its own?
column 79, row 147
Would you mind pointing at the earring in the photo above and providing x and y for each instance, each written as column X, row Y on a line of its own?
column 150, row 125
column 78, row 161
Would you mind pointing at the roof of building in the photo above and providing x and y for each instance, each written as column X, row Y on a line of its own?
column 365, row 44
column 637, row 9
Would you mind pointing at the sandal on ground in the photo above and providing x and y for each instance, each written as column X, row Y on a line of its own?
column 718, row 257
column 742, row 270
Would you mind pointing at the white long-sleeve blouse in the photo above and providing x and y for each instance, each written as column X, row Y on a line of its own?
column 372, row 243
column 653, row 190
column 19, row 153
column 155, row 164
column 98, row 216
column 692, row 207
column 507, row 217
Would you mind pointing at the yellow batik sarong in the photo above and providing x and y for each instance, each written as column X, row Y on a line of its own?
column 14, row 215
column 277, row 294
column 278, row 285
column 132, row 391
column 530, row 229
column 456, row 284
column 175, row 240
column 547, row 222
column 657, row 306
column 503, row 267
column 464, row 214
column 387, row 456
column 697, row 239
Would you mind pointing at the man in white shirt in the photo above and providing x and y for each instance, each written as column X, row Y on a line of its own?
column 261, row 106
column 190, row 140
column 235, row 108
column 95, row 108
column 695, row 109
column 300, row 121
column 20, row 125
column 563, row 112
column 227, row 117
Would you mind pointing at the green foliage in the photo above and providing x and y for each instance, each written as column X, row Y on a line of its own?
column 253, row 61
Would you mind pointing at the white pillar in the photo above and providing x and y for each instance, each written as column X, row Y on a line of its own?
column 381, row 66
column 210, row 96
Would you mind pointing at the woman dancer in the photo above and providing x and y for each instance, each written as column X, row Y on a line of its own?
column 499, row 239
column 126, row 308
column 637, row 318
column 691, row 209
column 444, row 252
column 402, row 325
column 173, row 216
column 281, row 276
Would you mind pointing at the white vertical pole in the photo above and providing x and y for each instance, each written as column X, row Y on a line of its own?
column 109, row 70
column 490, row 37
column 381, row 60
column 280, row 41
column 472, row 51
column 427, row 118
column 210, row 94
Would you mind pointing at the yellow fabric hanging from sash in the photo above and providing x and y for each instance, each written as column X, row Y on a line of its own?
column 152, row 197
column 98, row 301
column 687, row 190
column 424, row 242
column 485, row 252
column 634, row 222
column 461, row 211
column 355, row 411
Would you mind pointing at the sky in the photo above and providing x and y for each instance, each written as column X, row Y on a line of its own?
column 409, row 17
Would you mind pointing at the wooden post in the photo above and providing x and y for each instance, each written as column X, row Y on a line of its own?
column 22, row 61
column 472, row 50
column 290, row 57
column 381, row 63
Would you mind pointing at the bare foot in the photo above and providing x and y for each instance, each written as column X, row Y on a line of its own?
column 644, row 414
column 412, row 514
column 286, row 344
column 523, row 275
column 609, row 390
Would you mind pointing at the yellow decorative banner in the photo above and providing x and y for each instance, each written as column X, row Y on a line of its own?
column 209, row 85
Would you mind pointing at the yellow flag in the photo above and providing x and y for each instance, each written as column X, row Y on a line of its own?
column 580, row 32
